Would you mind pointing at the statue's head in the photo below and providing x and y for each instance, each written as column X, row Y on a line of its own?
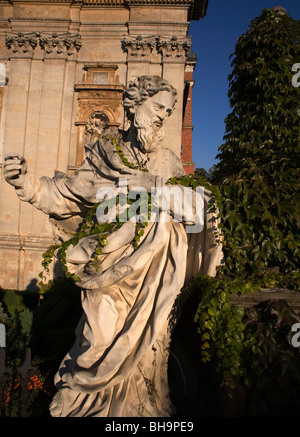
column 148, row 101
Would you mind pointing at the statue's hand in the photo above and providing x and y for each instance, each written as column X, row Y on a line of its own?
column 146, row 180
column 15, row 170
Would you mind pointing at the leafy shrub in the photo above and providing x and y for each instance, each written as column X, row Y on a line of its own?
column 17, row 307
column 54, row 324
column 256, row 194
column 258, row 171
column 47, row 326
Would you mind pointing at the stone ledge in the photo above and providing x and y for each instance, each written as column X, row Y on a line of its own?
column 247, row 300
column 99, row 87
column 19, row 242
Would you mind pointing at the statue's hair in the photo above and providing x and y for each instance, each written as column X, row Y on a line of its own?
column 143, row 87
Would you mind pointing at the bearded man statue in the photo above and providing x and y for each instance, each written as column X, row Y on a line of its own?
column 118, row 364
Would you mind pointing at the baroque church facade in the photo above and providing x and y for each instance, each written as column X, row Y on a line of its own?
column 63, row 68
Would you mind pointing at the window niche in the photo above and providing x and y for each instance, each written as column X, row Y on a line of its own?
column 99, row 100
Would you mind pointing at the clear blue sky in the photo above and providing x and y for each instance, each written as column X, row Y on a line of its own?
column 213, row 40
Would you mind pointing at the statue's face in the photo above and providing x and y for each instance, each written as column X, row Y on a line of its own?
column 149, row 118
column 157, row 108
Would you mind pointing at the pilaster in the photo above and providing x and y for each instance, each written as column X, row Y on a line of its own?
column 174, row 52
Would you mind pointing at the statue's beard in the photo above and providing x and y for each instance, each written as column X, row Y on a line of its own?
column 149, row 133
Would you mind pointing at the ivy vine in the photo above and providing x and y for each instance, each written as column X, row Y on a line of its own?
column 256, row 190
column 91, row 226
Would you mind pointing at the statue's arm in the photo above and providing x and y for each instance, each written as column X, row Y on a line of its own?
column 183, row 203
column 42, row 193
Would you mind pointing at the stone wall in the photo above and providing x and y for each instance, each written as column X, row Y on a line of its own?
column 187, row 123
column 66, row 64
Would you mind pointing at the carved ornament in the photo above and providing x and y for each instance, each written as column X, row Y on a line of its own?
column 95, row 124
column 22, row 44
column 174, row 49
column 139, row 47
column 53, row 44
column 60, row 45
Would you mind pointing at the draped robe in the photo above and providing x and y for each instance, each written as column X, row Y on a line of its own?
column 118, row 363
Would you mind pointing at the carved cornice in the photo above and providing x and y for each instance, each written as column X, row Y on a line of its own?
column 132, row 2
column 197, row 8
column 108, row 2
column 100, row 2
column 104, row 2
column 159, row 2
column 57, row 45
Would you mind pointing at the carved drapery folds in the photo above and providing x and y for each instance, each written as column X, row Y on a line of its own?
column 53, row 45
column 171, row 49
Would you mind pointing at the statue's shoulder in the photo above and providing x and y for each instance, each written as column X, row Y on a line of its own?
column 111, row 134
column 107, row 140
column 108, row 135
column 166, row 163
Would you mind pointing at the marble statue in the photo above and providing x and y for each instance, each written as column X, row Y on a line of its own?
column 118, row 363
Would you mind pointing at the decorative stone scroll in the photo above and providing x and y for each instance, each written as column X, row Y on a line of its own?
column 174, row 49
column 139, row 47
column 58, row 45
